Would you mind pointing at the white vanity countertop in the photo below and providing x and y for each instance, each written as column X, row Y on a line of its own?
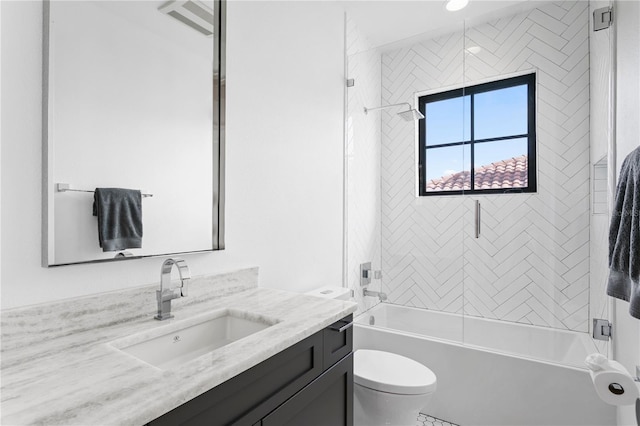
column 58, row 367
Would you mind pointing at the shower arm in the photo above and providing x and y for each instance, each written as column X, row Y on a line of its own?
column 366, row 110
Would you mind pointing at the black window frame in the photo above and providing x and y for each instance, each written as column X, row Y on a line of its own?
column 530, row 81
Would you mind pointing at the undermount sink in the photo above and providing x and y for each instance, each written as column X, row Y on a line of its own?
column 176, row 344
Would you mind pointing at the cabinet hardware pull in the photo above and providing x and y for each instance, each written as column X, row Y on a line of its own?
column 343, row 328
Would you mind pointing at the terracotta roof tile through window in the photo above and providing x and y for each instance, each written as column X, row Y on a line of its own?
column 505, row 174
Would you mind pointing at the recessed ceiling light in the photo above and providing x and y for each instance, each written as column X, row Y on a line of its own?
column 454, row 5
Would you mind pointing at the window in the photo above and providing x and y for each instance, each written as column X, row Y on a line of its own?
column 479, row 139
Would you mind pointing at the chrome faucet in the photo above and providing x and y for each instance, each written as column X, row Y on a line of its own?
column 166, row 294
column 380, row 295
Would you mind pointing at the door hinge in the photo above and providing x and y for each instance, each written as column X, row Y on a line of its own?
column 602, row 18
column 351, row 82
column 602, row 329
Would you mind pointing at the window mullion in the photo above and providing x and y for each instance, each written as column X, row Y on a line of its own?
column 502, row 138
column 447, row 145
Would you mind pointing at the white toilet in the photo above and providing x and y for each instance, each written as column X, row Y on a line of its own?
column 389, row 389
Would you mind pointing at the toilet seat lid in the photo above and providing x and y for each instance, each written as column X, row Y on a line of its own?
column 392, row 373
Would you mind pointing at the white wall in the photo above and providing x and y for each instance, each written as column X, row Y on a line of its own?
column 284, row 155
column 627, row 15
column 285, row 90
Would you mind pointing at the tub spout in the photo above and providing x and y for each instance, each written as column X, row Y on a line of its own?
column 379, row 294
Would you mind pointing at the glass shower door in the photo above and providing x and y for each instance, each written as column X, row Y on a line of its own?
column 533, row 242
column 362, row 165
column 419, row 238
column 473, row 223
column 422, row 233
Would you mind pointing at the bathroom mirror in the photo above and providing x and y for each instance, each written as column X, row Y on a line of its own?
column 133, row 97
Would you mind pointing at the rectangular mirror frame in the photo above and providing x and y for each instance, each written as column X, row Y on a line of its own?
column 219, row 110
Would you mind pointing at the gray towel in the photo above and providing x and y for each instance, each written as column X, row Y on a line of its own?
column 624, row 236
column 119, row 214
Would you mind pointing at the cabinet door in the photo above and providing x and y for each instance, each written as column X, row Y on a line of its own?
column 327, row 401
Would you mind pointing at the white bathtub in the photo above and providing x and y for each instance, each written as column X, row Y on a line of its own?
column 503, row 374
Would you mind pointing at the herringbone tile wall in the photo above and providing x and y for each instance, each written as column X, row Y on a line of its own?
column 531, row 264
column 363, row 161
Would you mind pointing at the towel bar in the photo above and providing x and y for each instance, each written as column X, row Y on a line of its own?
column 65, row 187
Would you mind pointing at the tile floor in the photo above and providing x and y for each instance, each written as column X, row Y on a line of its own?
column 427, row 420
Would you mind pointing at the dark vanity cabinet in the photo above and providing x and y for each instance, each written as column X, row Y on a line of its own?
column 309, row 383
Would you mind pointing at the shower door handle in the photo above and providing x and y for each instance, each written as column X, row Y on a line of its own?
column 478, row 221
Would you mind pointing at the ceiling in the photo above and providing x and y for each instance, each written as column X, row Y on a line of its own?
column 389, row 22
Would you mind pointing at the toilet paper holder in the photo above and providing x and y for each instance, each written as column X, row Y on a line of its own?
column 613, row 382
column 617, row 389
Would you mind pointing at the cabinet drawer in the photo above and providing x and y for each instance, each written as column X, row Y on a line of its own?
column 246, row 398
column 337, row 341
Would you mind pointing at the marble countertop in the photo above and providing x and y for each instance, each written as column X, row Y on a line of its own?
column 58, row 366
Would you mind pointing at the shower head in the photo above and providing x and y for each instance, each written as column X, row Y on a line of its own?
column 411, row 114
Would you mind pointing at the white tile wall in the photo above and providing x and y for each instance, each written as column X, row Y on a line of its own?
column 531, row 264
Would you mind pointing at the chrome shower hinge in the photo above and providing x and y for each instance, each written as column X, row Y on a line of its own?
column 602, row 329
column 602, row 18
column 351, row 82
